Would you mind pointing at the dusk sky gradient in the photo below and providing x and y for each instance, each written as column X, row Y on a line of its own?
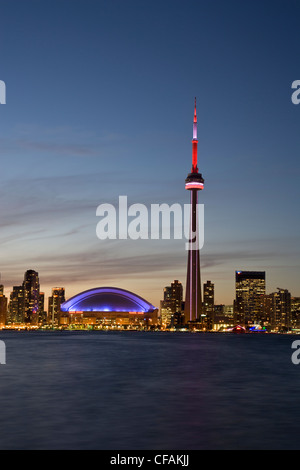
column 100, row 99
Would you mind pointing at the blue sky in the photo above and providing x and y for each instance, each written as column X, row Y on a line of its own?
column 100, row 104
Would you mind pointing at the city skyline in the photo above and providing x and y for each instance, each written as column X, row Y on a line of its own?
column 90, row 111
column 59, row 291
column 253, row 309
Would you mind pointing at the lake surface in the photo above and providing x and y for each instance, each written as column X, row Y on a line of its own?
column 149, row 391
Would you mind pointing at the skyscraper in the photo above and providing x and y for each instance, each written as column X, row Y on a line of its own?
column 176, row 294
column 193, row 183
column 250, row 288
column 3, row 306
column 171, row 306
column 3, row 310
column 54, row 303
column 16, row 305
column 41, row 313
column 31, row 288
column 295, row 311
column 209, row 303
column 281, row 317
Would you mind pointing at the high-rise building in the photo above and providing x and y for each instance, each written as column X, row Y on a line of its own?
column 176, row 294
column 3, row 310
column 267, row 309
column 42, row 313
column 167, row 293
column 209, row 304
column 193, row 183
column 171, row 306
column 250, row 288
column 31, row 288
column 16, row 305
column 54, row 303
column 281, row 315
column 167, row 313
column 295, row 312
column 3, row 306
column 223, row 317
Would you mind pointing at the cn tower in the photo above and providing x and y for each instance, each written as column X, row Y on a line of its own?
column 193, row 183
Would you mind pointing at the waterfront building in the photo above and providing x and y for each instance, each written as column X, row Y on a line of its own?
column 42, row 315
column 209, row 304
column 54, row 303
column 250, row 287
column 31, row 288
column 223, row 317
column 268, row 303
column 295, row 312
column 281, row 312
column 16, row 305
column 3, row 310
column 171, row 313
column 111, row 307
column 167, row 312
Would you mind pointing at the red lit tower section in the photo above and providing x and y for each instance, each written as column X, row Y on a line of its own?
column 193, row 183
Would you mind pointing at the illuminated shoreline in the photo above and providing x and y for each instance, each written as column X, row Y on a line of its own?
column 93, row 328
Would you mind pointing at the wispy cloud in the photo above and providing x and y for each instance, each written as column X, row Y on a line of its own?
column 61, row 149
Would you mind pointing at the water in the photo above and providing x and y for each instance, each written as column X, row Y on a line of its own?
column 149, row 391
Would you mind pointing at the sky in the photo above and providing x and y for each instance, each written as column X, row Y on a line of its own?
column 99, row 104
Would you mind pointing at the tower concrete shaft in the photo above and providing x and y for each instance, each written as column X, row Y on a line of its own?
column 194, row 183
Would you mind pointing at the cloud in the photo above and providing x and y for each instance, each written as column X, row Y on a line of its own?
column 61, row 149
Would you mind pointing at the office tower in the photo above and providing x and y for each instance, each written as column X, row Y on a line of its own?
column 228, row 312
column 54, row 303
column 176, row 294
column 31, row 288
column 193, row 183
column 171, row 306
column 16, row 305
column 281, row 315
column 41, row 313
column 223, row 316
column 250, row 287
column 167, row 293
column 167, row 312
column 209, row 304
column 295, row 312
column 3, row 310
column 267, row 309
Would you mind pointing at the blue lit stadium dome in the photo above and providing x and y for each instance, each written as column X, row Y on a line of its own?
column 107, row 299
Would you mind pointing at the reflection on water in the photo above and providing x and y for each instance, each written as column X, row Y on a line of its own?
column 135, row 390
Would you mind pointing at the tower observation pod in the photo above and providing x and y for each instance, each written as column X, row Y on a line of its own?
column 194, row 183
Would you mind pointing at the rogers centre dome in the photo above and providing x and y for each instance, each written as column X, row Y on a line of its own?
column 108, row 305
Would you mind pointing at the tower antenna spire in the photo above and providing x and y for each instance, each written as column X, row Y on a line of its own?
column 195, row 142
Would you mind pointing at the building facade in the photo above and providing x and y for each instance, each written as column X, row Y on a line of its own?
column 3, row 310
column 109, row 307
column 171, row 312
column 250, row 288
column 31, row 287
column 16, row 305
column 209, row 304
column 281, row 310
column 54, row 303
